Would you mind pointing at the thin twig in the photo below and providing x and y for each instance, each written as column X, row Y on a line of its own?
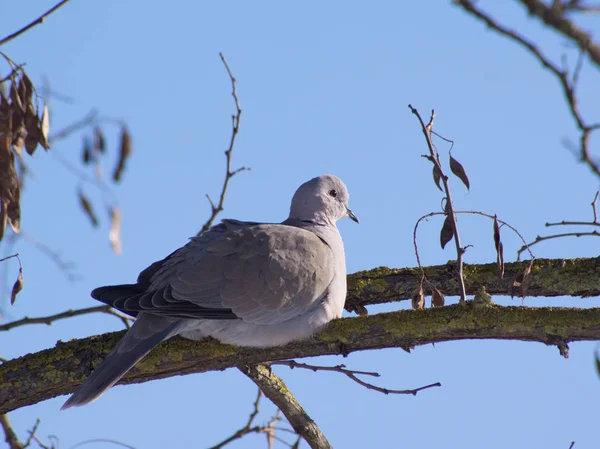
column 247, row 429
column 67, row 314
column 67, row 268
column 102, row 440
column 9, row 433
column 594, row 223
column 572, row 223
column 88, row 120
column 539, row 239
column 449, row 204
column 229, row 173
column 32, row 432
column 470, row 212
column 37, row 21
column 14, row 71
column 352, row 374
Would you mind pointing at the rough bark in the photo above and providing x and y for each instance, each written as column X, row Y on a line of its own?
column 59, row 370
column 275, row 389
column 550, row 277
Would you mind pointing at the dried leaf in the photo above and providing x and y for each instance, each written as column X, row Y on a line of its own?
column 13, row 211
column 17, row 287
column 99, row 141
column 526, row 280
column 437, row 176
column 418, row 299
column 3, row 218
column 499, row 248
column 114, row 235
column 31, row 119
column 28, row 89
column 5, row 128
column 98, row 171
column 23, row 94
column 15, row 98
column 45, row 128
column 31, row 142
column 124, row 152
column 18, row 132
column 87, row 151
column 522, row 281
column 459, row 171
column 33, row 131
column 437, row 298
column 9, row 180
column 87, row 208
column 447, row 231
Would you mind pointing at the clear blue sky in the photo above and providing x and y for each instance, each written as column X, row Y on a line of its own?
column 324, row 88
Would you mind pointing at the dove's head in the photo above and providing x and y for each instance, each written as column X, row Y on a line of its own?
column 323, row 199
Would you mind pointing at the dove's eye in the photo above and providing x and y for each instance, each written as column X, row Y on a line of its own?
column 333, row 193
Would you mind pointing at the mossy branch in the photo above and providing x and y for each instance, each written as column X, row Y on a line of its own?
column 550, row 277
column 277, row 391
column 57, row 371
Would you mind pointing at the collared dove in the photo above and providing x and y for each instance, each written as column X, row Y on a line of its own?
column 243, row 283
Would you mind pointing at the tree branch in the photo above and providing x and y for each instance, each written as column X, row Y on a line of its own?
column 275, row 389
column 556, row 19
column 66, row 314
column 568, row 85
column 578, row 277
column 37, row 21
column 353, row 375
column 60, row 370
column 9, row 433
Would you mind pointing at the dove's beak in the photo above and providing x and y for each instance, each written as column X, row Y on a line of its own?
column 351, row 215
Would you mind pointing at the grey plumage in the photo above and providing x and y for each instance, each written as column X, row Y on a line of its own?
column 244, row 283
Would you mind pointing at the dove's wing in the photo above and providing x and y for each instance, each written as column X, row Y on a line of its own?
column 262, row 274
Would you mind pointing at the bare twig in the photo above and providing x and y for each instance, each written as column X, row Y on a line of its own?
column 434, row 158
column 102, row 440
column 525, row 246
column 539, row 239
column 88, row 120
column 594, row 233
column 14, row 71
column 229, row 173
column 67, row 314
column 37, row 21
column 67, row 268
column 568, row 85
column 248, row 428
column 10, row 257
column 352, row 374
column 573, row 223
column 269, row 429
column 275, row 389
column 32, row 432
column 9, row 433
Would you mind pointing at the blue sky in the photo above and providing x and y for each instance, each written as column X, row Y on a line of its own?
column 324, row 88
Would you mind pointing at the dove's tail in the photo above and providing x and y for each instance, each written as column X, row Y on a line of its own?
column 146, row 333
